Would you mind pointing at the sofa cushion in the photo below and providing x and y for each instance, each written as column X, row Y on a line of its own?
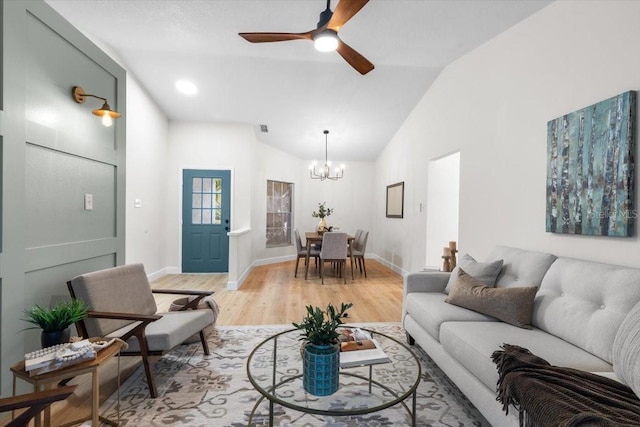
column 429, row 310
column 511, row 305
column 520, row 267
column 585, row 303
column 472, row 343
column 626, row 357
column 486, row 272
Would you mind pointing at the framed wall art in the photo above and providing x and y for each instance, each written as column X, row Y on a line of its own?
column 590, row 169
column 395, row 200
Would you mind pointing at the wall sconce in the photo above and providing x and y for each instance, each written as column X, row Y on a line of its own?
column 105, row 111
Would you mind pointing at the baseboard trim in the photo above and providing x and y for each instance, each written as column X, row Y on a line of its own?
column 389, row 265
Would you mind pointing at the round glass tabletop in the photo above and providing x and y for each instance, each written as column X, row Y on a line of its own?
column 274, row 368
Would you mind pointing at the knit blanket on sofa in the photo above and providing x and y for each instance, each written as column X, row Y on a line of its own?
column 547, row 395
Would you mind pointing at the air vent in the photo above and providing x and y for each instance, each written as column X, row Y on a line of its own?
column 264, row 129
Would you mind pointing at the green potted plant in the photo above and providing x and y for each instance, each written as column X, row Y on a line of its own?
column 322, row 213
column 321, row 353
column 55, row 321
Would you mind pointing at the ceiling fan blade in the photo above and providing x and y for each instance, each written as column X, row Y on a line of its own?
column 345, row 11
column 274, row 37
column 357, row 61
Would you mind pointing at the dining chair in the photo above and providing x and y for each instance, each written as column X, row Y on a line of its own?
column 356, row 238
column 360, row 246
column 334, row 250
column 302, row 252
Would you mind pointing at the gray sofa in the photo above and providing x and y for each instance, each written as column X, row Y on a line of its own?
column 577, row 312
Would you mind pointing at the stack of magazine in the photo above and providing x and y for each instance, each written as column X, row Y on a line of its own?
column 357, row 348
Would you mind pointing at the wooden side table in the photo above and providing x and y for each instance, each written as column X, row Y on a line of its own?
column 46, row 380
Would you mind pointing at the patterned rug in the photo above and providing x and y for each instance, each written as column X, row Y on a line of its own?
column 197, row 390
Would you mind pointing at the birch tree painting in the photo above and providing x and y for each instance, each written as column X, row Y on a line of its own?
column 590, row 169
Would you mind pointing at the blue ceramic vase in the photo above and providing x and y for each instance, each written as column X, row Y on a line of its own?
column 321, row 369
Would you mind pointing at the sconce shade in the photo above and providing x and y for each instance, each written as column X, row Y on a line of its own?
column 106, row 112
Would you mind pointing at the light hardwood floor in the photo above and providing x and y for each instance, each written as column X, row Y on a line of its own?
column 270, row 295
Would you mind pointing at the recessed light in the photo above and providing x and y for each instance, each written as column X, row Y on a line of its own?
column 186, row 87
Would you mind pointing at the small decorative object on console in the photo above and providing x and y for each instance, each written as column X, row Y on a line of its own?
column 58, row 356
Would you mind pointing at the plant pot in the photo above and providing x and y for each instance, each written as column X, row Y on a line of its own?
column 322, row 226
column 48, row 339
column 321, row 369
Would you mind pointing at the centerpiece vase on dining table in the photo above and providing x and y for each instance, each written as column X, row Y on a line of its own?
column 322, row 226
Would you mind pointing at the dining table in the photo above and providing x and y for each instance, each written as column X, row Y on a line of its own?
column 314, row 237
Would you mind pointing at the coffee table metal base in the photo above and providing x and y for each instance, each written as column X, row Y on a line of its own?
column 411, row 411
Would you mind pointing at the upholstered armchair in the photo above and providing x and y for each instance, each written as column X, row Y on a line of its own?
column 123, row 306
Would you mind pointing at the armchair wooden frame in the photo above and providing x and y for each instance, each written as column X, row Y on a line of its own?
column 139, row 331
column 35, row 403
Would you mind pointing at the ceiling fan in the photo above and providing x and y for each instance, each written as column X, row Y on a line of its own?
column 325, row 36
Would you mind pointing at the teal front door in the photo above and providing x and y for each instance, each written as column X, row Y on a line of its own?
column 205, row 221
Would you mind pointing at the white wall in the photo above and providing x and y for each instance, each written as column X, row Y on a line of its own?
column 493, row 105
column 147, row 150
column 443, row 205
column 207, row 146
column 234, row 146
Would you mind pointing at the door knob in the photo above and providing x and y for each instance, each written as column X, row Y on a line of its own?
column 226, row 228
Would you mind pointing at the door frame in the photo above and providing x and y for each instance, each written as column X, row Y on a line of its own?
column 180, row 198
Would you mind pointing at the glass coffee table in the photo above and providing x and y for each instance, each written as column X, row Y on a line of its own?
column 274, row 368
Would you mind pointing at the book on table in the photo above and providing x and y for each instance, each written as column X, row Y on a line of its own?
column 357, row 348
column 58, row 357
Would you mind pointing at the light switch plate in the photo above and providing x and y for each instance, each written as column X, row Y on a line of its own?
column 137, row 203
column 88, row 202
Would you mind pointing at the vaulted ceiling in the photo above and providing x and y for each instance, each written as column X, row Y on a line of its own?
column 289, row 86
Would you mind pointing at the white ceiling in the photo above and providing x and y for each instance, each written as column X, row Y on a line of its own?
column 289, row 86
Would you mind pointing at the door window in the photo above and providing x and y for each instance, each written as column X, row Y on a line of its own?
column 206, row 201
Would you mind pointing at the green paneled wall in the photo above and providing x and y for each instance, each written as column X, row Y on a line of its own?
column 54, row 151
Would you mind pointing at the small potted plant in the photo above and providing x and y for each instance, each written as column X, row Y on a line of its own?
column 322, row 213
column 55, row 321
column 321, row 354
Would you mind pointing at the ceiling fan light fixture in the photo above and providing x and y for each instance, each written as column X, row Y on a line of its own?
column 326, row 41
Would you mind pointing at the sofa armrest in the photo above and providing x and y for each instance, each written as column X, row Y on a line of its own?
column 426, row 281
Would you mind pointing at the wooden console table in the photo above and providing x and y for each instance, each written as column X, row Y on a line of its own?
column 47, row 380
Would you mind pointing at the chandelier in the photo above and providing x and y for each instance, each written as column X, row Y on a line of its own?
column 324, row 172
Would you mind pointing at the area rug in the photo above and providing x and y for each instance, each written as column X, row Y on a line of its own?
column 197, row 390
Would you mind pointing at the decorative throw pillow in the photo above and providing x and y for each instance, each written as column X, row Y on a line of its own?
column 626, row 357
column 511, row 305
column 486, row 272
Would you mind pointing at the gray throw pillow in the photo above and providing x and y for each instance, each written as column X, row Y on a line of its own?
column 486, row 272
column 511, row 305
column 626, row 357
